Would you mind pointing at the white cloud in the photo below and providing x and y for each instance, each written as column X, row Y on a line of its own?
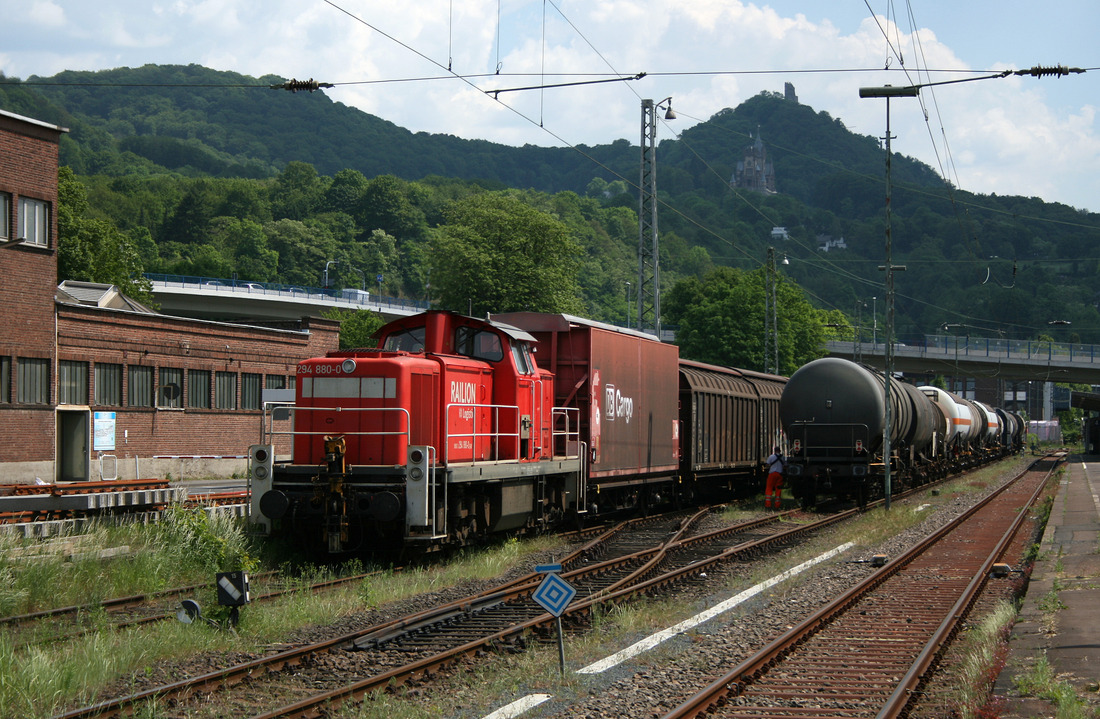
column 45, row 13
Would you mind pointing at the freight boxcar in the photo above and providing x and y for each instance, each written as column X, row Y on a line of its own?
column 623, row 385
column 730, row 420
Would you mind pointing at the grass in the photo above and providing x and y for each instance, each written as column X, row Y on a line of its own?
column 1041, row 681
column 40, row 682
column 184, row 549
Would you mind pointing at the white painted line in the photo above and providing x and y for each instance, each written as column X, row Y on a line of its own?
column 531, row 701
column 655, row 639
column 519, row 706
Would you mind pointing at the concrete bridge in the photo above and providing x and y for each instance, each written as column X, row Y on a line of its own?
column 256, row 302
column 951, row 356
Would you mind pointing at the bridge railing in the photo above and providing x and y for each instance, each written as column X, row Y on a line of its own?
column 951, row 346
column 349, row 296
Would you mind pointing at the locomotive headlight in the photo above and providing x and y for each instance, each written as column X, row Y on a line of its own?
column 416, row 474
column 348, row 366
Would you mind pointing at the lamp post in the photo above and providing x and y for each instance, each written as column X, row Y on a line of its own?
column 627, row 283
column 328, row 264
column 874, row 324
column 362, row 278
column 649, row 272
column 887, row 92
column 771, row 316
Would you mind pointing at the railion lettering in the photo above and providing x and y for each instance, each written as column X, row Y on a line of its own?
column 463, row 393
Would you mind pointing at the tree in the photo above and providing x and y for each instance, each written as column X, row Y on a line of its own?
column 357, row 327
column 95, row 250
column 721, row 320
column 498, row 254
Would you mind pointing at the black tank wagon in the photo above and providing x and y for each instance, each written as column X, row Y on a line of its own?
column 834, row 414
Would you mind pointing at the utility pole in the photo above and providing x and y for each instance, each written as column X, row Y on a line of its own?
column 648, row 292
column 889, row 268
column 771, row 316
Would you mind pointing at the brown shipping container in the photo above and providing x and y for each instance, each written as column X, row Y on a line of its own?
column 624, row 384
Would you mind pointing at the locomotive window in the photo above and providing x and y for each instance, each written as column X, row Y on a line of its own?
column 523, row 358
column 411, row 340
column 479, row 344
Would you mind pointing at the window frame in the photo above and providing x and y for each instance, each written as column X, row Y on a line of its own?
column 5, row 215
column 39, row 213
column 140, row 385
column 175, row 376
column 108, row 384
column 225, row 390
column 38, row 391
column 5, row 379
column 68, row 372
column 250, row 395
column 198, row 388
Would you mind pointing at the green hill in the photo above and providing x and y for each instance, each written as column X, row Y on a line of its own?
column 169, row 149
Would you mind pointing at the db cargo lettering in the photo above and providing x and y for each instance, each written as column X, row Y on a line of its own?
column 463, row 393
column 617, row 405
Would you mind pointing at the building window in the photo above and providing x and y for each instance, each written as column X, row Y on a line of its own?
column 198, row 388
column 140, row 386
column 275, row 381
column 5, row 379
column 5, row 216
column 170, row 393
column 33, row 222
column 108, row 384
column 250, row 391
column 293, row 382
column 225, row 390
column 72, row 382
column 34, row 381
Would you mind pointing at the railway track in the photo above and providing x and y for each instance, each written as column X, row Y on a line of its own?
column 871, row 651
column 37, row 510
column 309, row 677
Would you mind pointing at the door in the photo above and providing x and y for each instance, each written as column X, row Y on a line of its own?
column 73, row 458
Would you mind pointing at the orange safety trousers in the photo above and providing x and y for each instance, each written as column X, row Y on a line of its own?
column 772, row 490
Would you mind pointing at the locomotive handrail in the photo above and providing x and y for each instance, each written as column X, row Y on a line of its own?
column 566, row 435
column 495, row 435
column 270, row 431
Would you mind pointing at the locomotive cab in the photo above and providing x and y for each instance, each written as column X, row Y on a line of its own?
column 445, row 434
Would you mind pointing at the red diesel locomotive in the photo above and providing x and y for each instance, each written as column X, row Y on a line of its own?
column 450, row 431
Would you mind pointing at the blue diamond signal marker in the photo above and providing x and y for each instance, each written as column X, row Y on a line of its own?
column 554, row 594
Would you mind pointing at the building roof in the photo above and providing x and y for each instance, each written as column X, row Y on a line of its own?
column 32, row 121
column 95, row 294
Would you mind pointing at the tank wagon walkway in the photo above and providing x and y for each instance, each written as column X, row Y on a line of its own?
column 1068, row 632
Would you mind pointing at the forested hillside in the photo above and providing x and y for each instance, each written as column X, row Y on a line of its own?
column 213, row 173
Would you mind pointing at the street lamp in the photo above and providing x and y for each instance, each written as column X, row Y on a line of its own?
column 627, row 283
column 771, row 315
column 888, row 91
column 649, row 272
column 874, row 324
column 328, row 264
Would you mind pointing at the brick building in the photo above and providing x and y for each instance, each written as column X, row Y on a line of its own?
column 93, row 384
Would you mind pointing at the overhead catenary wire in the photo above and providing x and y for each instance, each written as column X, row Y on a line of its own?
column 609, row 77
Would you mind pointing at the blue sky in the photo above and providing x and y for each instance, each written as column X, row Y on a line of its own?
column 1017, row 135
